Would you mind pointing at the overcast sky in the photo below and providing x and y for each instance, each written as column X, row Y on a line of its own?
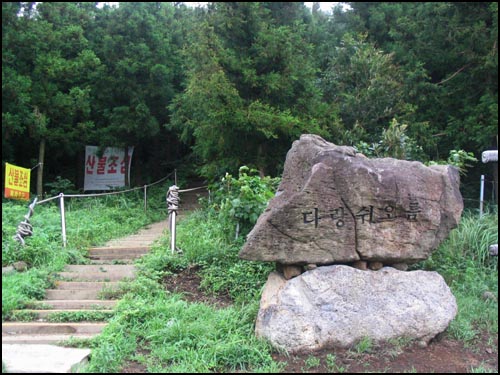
column 325, row 6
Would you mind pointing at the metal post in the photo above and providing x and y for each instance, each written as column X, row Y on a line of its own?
column 63, row 219
column 173, row 206
column 481, row 196
column 145, row 198
column 489, row 157
column 172, row 233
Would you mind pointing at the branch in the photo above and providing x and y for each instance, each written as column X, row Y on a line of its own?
column 453, row 75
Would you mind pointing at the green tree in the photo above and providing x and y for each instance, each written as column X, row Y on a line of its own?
column 251, row 88
column 49, row 59
column 449, row 53
column 136, row 43
column 17, row 113
column 367, row 87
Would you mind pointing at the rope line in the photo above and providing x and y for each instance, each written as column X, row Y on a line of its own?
column 173, row 199
column 103, row 194
column 197, row 188
column 48, row 199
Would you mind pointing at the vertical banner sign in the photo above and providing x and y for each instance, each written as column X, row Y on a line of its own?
column 107, row 171
column 17, row 182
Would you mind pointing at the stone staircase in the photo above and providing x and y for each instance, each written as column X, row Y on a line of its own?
column 83, row 289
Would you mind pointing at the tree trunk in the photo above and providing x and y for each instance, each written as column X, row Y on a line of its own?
column 39, row 179
column 138, row 167
column 80, row 170
column 127, row 182
column 260, row 161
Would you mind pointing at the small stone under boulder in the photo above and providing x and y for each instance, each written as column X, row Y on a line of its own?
column 338, row 306
column 336, row 206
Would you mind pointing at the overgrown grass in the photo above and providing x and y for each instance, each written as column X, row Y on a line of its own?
column 464, row 262
column 180, row 337
column 222, row 270
column 19, row 288
column 173, row 335
column 165, row 333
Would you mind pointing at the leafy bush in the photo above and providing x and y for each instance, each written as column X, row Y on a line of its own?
column 394, row 142
column 60, row 185
column 241, row 201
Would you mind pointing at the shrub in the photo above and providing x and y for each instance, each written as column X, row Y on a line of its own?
column 241, row 201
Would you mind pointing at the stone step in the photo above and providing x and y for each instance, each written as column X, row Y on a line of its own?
column 132, row 249
column 131, row 243
column 36, row 359
column 86, row 304
column 132, row 239
column 112, row 257
column 86, row 285
column 137, row 243
column 95, row 272
column 96, row 276
column 44, row 314
column 51, row 294
column 44, row 328
column 103, row 269
column 43, row 339
column 112, row 261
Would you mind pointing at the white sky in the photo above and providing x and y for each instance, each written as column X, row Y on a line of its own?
column 324, row 6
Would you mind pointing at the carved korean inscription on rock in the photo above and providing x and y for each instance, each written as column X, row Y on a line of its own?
column 364, row 215
column 335, row 206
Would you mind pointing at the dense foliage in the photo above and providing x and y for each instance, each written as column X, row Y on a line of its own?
column 235, row 83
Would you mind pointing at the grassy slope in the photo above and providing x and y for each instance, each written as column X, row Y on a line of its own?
column 167, row 334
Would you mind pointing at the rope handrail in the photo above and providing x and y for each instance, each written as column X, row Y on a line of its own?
column 25, row 229
column 196, row 188
column 103, row 194
column 161, row 180
column 48, row 199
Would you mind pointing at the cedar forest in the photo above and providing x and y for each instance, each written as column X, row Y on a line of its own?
column 209, row 89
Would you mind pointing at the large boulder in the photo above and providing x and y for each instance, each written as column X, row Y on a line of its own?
column 338, row 306
column 334, row 205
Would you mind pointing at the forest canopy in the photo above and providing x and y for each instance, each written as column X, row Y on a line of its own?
column 235, row 83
